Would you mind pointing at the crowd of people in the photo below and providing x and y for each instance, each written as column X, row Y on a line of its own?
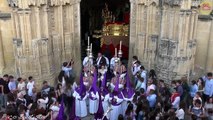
column 107, row 90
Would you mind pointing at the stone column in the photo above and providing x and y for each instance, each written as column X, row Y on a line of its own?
column 1, row 54
column 209, row 60
column 76, row 55
column 132, row 35
column 38, row 25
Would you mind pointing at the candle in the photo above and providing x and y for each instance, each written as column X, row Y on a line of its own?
column 115, row 51
column 120, row 44
column 88, row 40
column 91, row 48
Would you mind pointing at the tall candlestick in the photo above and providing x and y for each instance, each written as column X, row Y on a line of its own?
column 120, row 44
column 115, row 51
column 91, row 48
column 88, row 40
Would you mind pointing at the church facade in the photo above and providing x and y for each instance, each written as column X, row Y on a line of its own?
column 170, row 36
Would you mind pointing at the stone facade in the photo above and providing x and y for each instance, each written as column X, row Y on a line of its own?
column 36, row 36
column 164, row 34
column 45, row 33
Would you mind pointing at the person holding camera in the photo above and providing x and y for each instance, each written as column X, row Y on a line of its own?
column 67, row 67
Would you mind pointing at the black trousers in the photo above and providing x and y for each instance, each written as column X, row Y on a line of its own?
column 205, row 97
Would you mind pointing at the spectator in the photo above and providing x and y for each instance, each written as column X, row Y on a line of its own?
column 163, row 91
column 180, row 114
column 12, row 84
column 179, row 89
column 130, row 112
column 175, row 99
column 196, row 111
column 21, row 100
column 201, row 85
column 208, row 89
column 45, row 88
column 197, row 96
column 21, row 86
column 193, row 89
column 209, row 108
column 67, row 67
column 4, row 90
column 30, row 86
column 152, row 97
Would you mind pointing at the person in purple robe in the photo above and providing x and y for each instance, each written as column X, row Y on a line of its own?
column 61, row 111
column 72, row 113
column 128, row 93
column 99, row 115
column 116, row 98
column 93, row 102
column 80, row 94
column 103, row 91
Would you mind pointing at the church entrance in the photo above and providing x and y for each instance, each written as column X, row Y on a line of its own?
column 106, row 24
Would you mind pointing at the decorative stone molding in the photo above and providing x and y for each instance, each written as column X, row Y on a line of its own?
column 55, row 2
column 154, row 38
column 17, row 42
column 37, row 3
column 173, row 2
column 5, row 16
column 195, row 3
column 205, row 17
column 13, row 3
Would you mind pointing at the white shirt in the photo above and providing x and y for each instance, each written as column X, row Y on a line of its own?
column 87, row 60
column 54, row 108
column 21, row 87
column 176, row 102
column 42, row 103
column 180, row 114
column 143, row 75
column 112, row 63
column 67, row 70
column 135, row 69
column 30, row 86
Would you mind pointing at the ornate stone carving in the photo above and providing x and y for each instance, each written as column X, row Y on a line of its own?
column 47, row 50
column 5, row 16
column 12, row 3
column 154, row 38
column 17, row 41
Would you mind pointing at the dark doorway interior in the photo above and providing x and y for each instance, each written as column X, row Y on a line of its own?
column 92, row 20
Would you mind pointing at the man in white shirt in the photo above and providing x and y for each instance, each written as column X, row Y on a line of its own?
column 135, row 69
column 30, row 86
column 12, row 84
column 208, row 89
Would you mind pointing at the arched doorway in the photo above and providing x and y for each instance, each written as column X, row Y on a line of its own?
column 104, row 21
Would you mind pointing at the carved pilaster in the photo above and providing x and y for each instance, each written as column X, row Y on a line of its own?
column 77, row 37
column 133, row 35
column 1, row 54
column 178, row 50
column 209, row 58
column 38, row 25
